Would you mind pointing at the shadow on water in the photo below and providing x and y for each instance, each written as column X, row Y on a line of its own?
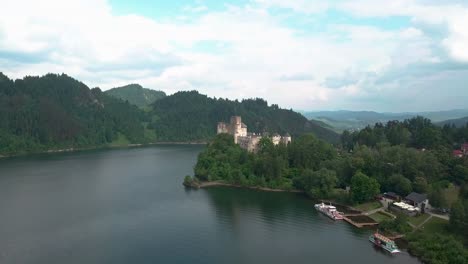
column 272, row 207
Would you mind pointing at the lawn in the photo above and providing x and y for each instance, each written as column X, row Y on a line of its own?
column 368, row 206
column 436, row 225
column 379, row 217
column 417, row 220
column 120, row 141
column 451, row 194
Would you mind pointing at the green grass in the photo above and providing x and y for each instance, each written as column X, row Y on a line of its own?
column 368, row 206
column 379, row 217
column 120, row 141
column 451, row 194
column 417, row 220
column 150, row 134
column 436, row 225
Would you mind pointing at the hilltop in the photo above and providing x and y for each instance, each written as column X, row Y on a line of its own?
column 186, row 116
column 136, row 94
column 57, row 112
column 458, row 122
column 54, row 112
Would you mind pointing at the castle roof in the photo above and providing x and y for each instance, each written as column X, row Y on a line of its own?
column 243, row 125
column 287, row 135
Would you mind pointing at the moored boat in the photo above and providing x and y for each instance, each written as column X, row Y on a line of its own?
column 384, row 242
column 329, row 210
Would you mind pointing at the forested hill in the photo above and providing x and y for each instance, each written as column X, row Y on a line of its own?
column 57, row 111
column 193, row 116
column 459, row 122
column 135, row 94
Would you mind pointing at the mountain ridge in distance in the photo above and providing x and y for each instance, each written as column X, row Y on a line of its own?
column 355, row 120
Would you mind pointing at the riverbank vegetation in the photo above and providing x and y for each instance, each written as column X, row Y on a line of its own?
column 402, row 157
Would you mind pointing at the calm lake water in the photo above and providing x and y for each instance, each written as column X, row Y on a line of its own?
column 129, row 206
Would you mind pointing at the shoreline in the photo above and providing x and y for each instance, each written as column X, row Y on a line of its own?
column 224, row 184
column 72, row 149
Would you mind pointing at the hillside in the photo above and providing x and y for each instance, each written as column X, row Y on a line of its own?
column 459, row 122
column 136, row 95
column 355, row 120
column 57, row 111
column 187, row 116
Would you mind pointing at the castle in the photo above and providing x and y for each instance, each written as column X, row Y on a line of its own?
column 248, row 141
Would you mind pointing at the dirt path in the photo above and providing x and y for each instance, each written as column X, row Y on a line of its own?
column 373, row 211
column 445, row 217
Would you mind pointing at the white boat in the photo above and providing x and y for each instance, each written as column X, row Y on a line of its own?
column 329, row 210
column 384, row 242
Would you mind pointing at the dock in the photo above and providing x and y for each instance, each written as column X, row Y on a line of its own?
column 359, row 220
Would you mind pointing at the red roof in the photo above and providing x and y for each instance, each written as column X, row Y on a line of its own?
column 465, row 146
column 457, row 152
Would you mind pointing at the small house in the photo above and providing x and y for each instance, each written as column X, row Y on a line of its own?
column 464, row 149
column 457, row 153
column 392, row 196
column 418, row 200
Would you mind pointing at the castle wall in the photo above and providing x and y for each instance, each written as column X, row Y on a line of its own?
column 245, row 140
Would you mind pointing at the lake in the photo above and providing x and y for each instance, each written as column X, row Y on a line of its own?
column 129, row 206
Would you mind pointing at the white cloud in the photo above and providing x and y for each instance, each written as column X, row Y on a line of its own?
column 303, row 6
column 259, row 56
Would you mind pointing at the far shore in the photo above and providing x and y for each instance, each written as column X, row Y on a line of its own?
column 109, row 146
column 265, row 189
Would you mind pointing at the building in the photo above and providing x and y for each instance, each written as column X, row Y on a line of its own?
column 417, row 200
column 404, row 208
column 248, row 141
column 392, row 196
column 457, row 153
column 464, row 149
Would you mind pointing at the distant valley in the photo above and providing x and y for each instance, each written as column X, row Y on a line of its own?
column 355, row 120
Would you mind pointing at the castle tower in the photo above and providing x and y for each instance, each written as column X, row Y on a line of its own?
column 286, row 139
column 222, row 128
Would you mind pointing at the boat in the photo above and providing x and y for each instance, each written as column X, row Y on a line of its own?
column 329, row 210
column 384, row 242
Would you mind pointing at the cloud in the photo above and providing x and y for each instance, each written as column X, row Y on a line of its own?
column 249, row 50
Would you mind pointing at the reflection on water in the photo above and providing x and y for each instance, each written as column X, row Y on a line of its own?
column 129, row 206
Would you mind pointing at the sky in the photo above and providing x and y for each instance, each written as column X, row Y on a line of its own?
column 392, row 56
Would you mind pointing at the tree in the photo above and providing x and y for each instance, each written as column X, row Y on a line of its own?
column 420, row 185
column 322, row 183
column 363, row 188
column 459, row 217
column 400, row 184
column 437, row 198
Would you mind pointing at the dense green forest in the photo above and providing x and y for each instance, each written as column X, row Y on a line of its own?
column 187, row 116
column 56, row 111
column 413, row 155
column 137, row 95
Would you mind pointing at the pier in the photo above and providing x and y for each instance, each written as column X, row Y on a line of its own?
column 359, row 220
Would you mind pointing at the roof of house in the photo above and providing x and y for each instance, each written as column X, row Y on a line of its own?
column 465, row 146
column 457, row 152
column 391, row 194
column 243, row 125
column 287, row 135
column 416, row 197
